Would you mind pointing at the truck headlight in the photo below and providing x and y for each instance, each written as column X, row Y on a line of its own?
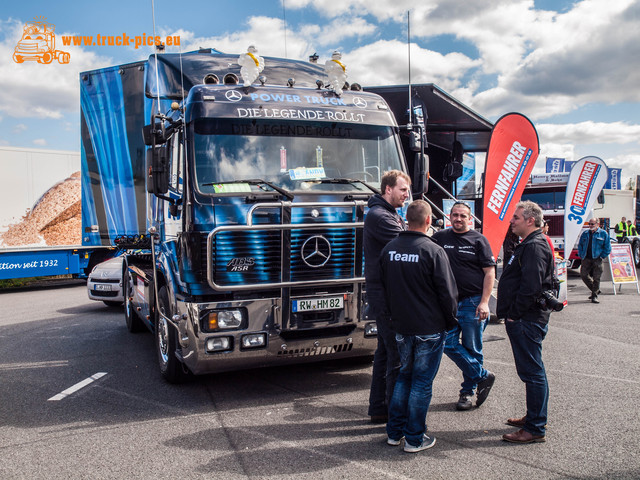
column 370, row 329
column 222, row 320
column 254, row 340
column 219, row 344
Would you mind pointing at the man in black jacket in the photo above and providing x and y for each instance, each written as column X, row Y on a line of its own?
column 421, row 295
column 528, row 274
column 381, row 225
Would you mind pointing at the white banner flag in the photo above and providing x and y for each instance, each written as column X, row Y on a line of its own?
column 586, row 180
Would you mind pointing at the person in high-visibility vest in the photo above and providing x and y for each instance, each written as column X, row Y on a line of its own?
column 631, row 229
column 621, row 230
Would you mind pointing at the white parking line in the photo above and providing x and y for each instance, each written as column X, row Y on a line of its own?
column 76, row 387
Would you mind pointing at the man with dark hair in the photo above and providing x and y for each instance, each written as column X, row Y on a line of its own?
column 594, row 245
column 621, row 230
column 473, row 266
column 381, row 225
column 528, row 274
column 420, row 291
column 631, row 229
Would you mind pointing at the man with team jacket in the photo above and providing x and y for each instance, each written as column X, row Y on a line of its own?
column 420, row 292
column 525, row 278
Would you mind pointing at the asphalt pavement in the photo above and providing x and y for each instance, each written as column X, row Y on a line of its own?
column 303, row 421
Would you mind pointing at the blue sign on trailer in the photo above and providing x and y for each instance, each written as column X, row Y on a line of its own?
column 42, row 262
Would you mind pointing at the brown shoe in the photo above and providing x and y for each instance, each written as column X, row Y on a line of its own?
column 516, row 422
column 522, row 436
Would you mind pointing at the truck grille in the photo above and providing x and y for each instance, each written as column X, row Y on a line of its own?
column 255, row 256
column 314, row 351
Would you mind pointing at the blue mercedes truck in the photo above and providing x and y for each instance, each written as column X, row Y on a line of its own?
column 240, row 209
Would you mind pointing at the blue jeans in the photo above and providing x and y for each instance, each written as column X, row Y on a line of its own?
column 420, row 356
column 468, row 354
column 386, row 361
column 526, row 343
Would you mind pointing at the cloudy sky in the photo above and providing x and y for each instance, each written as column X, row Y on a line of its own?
column 572, row 67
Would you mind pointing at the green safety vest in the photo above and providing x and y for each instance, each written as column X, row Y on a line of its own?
column 623, row 230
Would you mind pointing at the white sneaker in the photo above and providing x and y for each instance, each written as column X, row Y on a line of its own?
column 394, row 443
column 427, row 442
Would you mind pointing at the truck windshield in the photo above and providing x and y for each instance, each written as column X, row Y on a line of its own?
column 294, row 156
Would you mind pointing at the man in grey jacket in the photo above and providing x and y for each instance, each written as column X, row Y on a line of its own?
column 525, row 278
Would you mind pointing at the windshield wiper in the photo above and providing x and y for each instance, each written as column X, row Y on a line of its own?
column 345, row 181
column 258, row 182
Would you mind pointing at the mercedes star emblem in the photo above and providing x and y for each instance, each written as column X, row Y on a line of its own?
column 316, row 251
column 360, row 102
column 233, row 95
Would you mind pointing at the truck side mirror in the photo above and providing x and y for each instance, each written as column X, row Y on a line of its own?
column 421, row 173
column 157, row 163
column 151, row 133
column 601, row 197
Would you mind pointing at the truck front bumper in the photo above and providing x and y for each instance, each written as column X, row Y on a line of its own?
column 262, row 340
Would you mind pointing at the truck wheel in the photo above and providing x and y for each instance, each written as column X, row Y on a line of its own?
column 18, row 58
column 63, row 58
column 635, row 248
column 170, row 368
column 46, row 58
column 134, row 324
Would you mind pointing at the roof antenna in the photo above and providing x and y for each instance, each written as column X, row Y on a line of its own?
column 155, row 53
column 284, row 19
column 409, row 58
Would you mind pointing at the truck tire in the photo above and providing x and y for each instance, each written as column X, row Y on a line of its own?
column 134, row 323
column 165, row 335
column 635, row 249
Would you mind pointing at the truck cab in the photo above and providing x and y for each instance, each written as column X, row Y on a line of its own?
column 254, row 198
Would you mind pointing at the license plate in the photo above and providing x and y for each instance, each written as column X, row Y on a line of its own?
column 309, row 304
column 102, row 288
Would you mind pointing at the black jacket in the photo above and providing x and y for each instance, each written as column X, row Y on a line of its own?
column 381, row 225
column 420, row 288
column 528, row 273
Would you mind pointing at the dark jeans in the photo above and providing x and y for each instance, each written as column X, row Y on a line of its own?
column 386, row 361
column 591, row 271
column 526, row 343
column 421, row 355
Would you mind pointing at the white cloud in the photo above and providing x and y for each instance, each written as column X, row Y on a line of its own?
column 385, row 63
column 36, row 90
column 19, row 128
column 267, row 34
column 41, row 142
column 589, row 133
column 547, row 63
column 337, row 30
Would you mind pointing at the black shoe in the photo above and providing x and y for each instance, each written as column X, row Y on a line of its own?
column 594, row 299
column 484, row 387
column 464, row 403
